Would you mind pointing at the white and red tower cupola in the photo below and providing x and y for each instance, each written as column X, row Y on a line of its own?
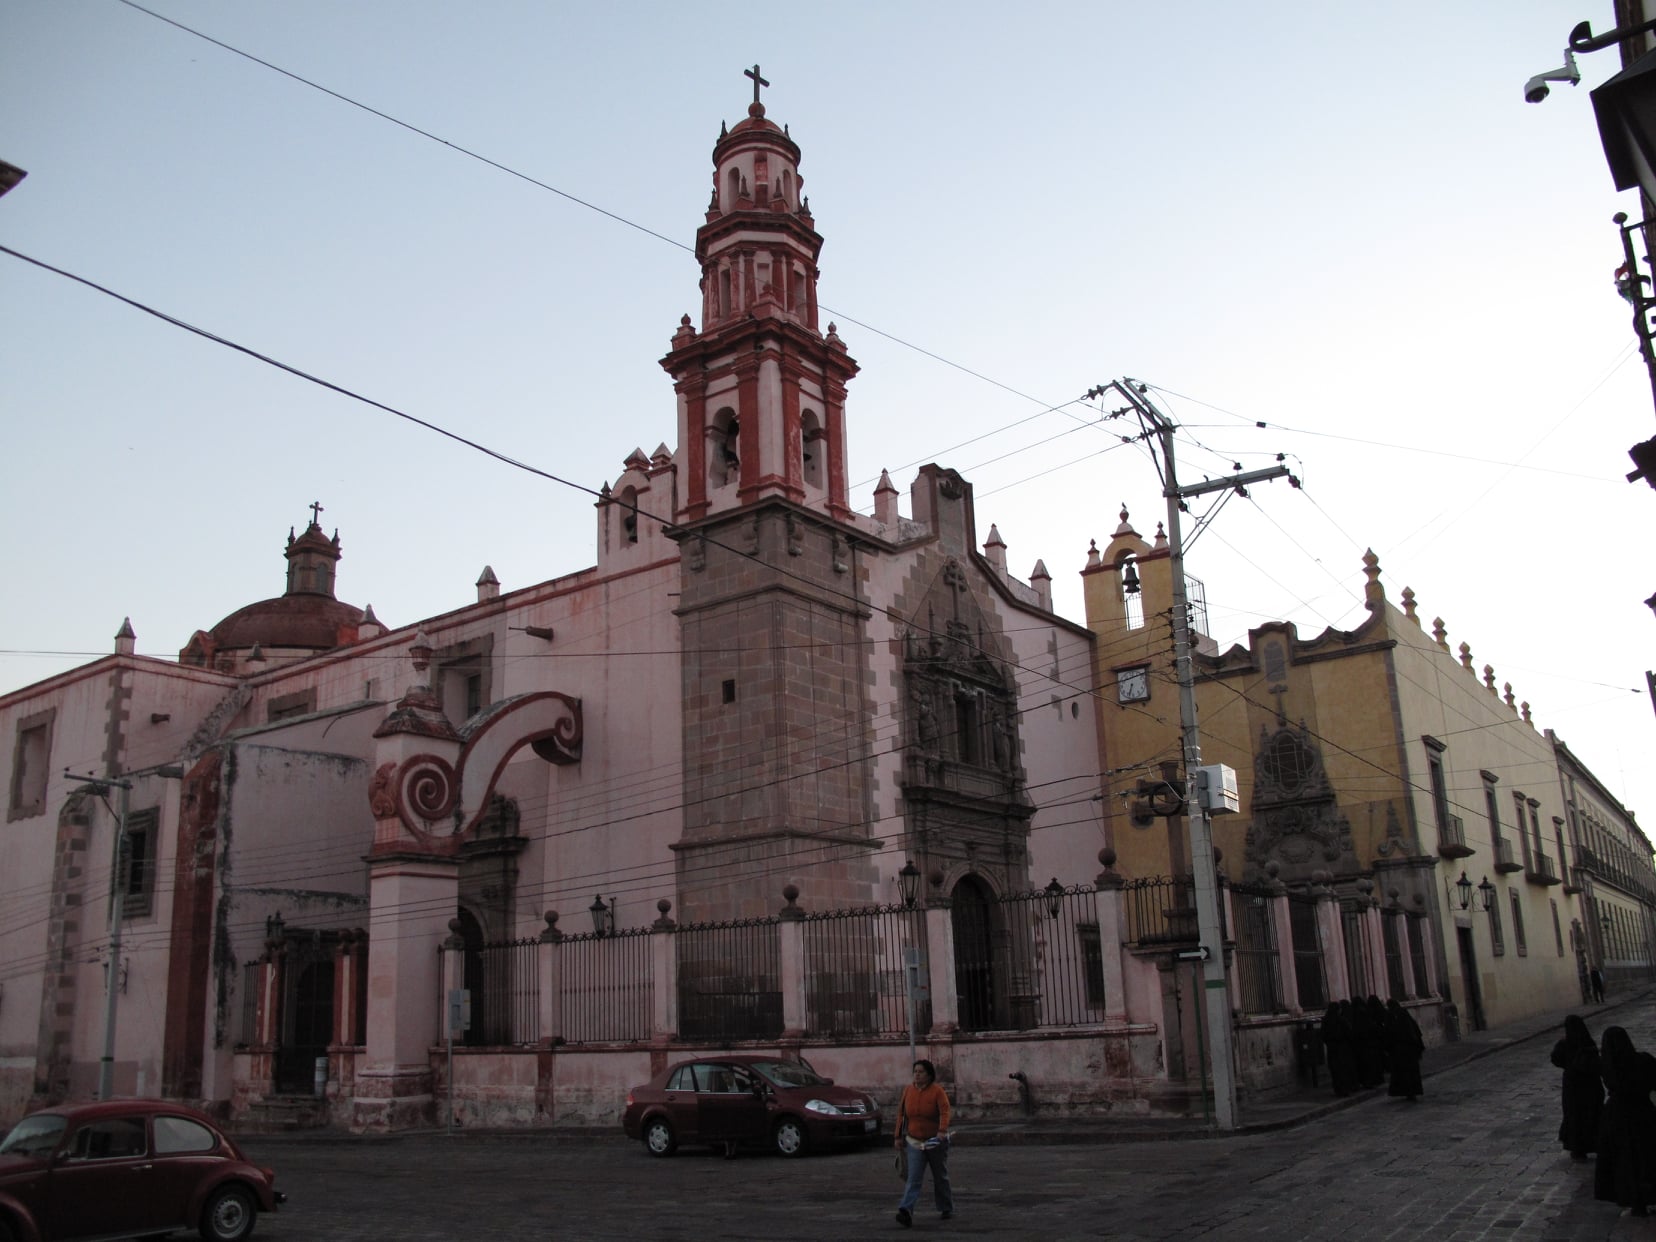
column 761, row 390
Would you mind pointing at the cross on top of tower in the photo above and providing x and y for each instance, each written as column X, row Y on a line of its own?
column 316, row 511
column 758, row 109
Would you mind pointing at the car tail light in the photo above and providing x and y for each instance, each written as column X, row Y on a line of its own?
column 629, row 1099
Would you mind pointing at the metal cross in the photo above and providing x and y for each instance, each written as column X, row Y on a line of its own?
column 757, row 81
column 316, row 511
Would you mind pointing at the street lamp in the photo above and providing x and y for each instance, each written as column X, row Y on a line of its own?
column 603, row 917
column 1486, row 890
column 908, row 882
column 1463, row 891
column 1054, row 897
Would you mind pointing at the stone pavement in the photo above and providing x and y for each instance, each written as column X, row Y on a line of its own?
column 1475, row 1160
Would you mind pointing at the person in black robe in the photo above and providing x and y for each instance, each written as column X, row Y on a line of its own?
column 1578, row 1056
column 1340, row 1051
column 1404, row 1046
column 1626, row 1169
column 1366, row 1037
column 1380, row 1015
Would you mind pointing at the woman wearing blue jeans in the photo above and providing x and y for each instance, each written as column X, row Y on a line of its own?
column 923, row 1128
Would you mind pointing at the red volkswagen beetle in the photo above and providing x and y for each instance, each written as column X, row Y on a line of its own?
column 124, row 1167
column 747, row 1100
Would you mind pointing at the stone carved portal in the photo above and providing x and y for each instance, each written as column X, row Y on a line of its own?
column 967, row 808
column 1296, row 823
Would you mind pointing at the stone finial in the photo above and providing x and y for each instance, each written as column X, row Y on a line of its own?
column 1508, row 696
column 663, row 921
column 551, row 935
column 1126, row 527
column 1489, row 678
column 994, row 548
column 1409, row 606
column 257, row 655
column 790, row 894
column 1374, row 595
column 126, row 640
column 663, row 456
column 1160, row 540
column 488, row 586
column 1524, row 711
column 1094, row 561
column 885, row 502
column 1041, row 580
column 420, row 652
column 1109, row 877
column 370, row 625
column 685, row 332
column 1440, row 633
column 1466, row 656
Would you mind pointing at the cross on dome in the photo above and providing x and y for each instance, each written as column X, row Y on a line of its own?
column 757, row 81
column 316, row 511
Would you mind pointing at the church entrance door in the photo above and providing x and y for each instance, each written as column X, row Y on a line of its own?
column 307, row 1017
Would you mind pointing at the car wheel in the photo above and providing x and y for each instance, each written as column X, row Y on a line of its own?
column 790, row 1136
column 228, row 1216
column 659, row 1139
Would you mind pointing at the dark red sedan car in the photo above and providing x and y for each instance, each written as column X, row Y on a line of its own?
column 747, row 1100
column 121, row 1168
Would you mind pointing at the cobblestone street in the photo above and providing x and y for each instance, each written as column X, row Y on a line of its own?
column 1476, row 1158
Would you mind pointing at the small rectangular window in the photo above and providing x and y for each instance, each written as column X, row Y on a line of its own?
column 136, row 881
column 1518, row 924
column 31, row 765
column 728, row 690
column 1496, row 936
column 1558, row 929
column 1092, row 962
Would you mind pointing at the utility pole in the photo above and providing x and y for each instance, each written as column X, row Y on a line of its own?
column 1216, row 996
column 117, row 906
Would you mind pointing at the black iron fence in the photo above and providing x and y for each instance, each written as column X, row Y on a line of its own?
column 1161, row 910
column 504, row 981
column 606, row 987
column 1308, row 952
column 1258, row 972
column 1357, row 958
column 856, row 971
column 729, row 980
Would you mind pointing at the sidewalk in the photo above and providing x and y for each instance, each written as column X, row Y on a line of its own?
column 1256, row 1115
column 1296, row 1106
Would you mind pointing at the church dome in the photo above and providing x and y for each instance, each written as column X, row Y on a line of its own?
column 305, row 620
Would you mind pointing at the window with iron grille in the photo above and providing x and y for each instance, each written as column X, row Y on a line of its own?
column 1518, row 924
column 1417, row 952
column 1496, row 936
column 1394, row 953
column 1308, row 967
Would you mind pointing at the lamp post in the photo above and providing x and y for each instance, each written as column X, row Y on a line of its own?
column 1486, row 891
column 603, row 917
column 117, row 903
column 908, row 883
column 1054, row 898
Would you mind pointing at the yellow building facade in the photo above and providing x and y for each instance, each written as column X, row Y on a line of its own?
column 1379, row 764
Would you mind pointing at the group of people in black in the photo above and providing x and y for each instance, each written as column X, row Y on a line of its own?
column 1367, row 1043
column 1608, row 1111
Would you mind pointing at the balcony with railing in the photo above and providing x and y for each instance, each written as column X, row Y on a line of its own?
column 1541, row 870
column 1504, row 861
column 1452, row 839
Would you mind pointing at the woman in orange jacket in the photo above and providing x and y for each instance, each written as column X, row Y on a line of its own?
column 923, row 1128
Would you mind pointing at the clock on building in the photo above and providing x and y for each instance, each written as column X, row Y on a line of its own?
column 1133, row 684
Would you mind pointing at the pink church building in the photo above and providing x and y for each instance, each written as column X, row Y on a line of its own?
column 862, row 749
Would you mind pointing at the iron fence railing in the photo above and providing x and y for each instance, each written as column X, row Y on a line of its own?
column 1417, row 953
column 1389, row 920
column 729, row 980
column 1160, row 910
column 1063, row 979
column 856, row 974
column 1358, row 974
column 1308, row 952
column 606, row 989
column 1258, row 972
column 504, row 981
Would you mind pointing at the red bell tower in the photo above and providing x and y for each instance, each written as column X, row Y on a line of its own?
column 761, row 391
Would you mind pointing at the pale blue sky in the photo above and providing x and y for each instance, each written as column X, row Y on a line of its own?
column 1340, row 219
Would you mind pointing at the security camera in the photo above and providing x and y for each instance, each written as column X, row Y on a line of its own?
column 1535, row 90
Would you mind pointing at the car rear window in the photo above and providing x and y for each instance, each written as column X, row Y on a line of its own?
column 174, row 1135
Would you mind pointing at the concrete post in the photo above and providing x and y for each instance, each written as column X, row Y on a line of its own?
column 549, row 961
column 940, row 956
column 1331, row 935
column 1283, row 926
column 1112, row 937
column 664, row 1020
column 790, row 936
